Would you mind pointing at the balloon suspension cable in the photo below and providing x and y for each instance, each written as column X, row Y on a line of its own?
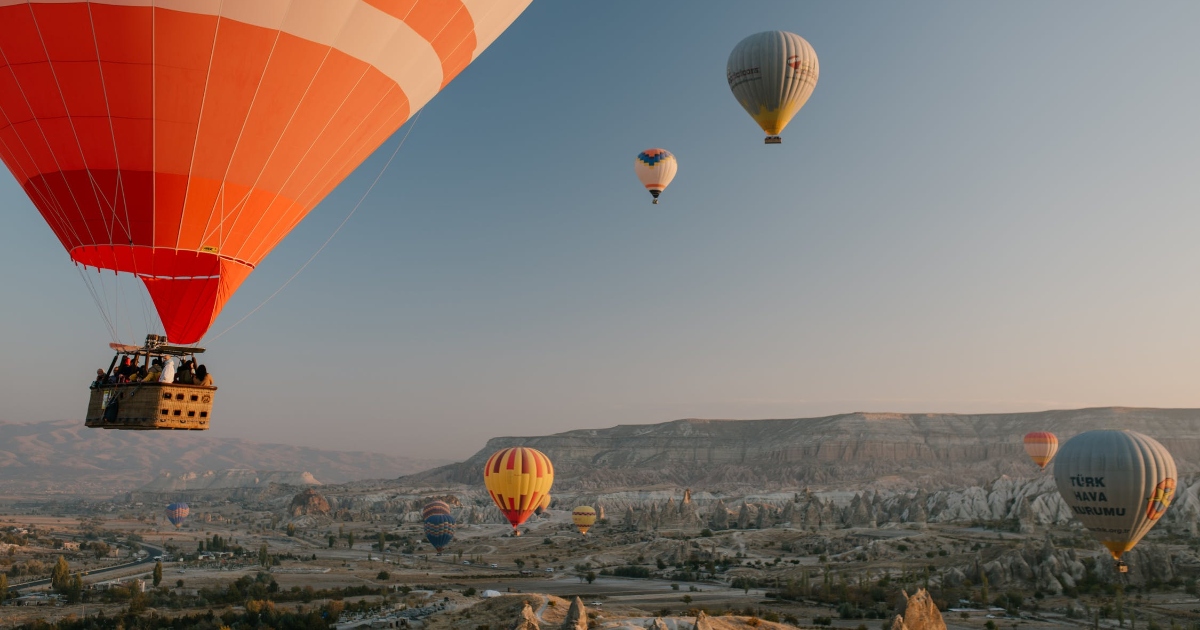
column 335, row 232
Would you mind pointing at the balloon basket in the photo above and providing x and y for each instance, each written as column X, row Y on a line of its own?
column 1122, row 567
column 772, row 140
column 150, row 406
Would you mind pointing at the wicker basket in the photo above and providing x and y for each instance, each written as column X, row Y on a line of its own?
column 149, row 406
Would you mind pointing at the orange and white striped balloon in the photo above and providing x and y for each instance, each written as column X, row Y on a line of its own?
column 1041, row 447
column 517, row 479
column 181, row 140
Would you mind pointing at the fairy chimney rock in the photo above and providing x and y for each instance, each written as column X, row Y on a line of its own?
column 920, row 613
column 526, row 620
column 576, row 616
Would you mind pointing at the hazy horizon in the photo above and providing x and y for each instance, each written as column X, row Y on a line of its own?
column 982, row 209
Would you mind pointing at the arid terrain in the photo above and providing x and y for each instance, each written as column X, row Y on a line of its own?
column 840, row 544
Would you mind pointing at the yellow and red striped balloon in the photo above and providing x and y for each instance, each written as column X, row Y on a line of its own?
column 181, row 140
column 517, row 479
column 1041, row 447
column 584, row 517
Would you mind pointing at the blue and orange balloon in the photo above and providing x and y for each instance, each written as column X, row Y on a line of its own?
column 439, row 530
column 177, row 513
column 655, row 168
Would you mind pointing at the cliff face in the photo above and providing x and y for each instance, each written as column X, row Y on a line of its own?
column 935, row 450
column 225, row 480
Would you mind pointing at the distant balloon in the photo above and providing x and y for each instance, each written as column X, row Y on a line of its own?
column 1117, row 483
column 177, row 513
column 434, row 507
column 1041, row 447
column 655, row 168
column 584, row 517
column 517, row 479
column 772, row 74
column 439, row 530
column 543, row 505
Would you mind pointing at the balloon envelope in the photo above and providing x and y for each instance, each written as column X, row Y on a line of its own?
column 584, row 517
column 655, row 168
column 177, row 513
column 434, row 507
column 1117, row 483
column 1041, row 447
column 439, row 530
column 772, row 74
column 543, row 505
column 181, row 143
column 517, row 479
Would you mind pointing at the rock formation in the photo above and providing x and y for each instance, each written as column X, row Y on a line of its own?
column 526, row 620
column 657, row 624
column 309, row 503
column 576, row 616
column 920, row 613
column 702, row 622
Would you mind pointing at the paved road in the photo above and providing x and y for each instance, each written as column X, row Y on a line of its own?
column 152, row 550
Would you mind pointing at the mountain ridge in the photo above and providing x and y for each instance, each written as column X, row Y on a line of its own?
column 935, row 449
column 63, row 457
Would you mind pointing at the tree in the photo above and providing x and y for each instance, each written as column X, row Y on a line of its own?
column 3, row 586
column 350, row 540
column 158, row 573
column 687, row 599
column 61, row 575
column 101, row 549
column 983, row 589
column 382, row 542
column 291, row 530
column 73, row 589
column 264, row 556
column 332, row 541
column 590, row 577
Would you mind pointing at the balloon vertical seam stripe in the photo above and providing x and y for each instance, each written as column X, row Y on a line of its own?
column 70, row 121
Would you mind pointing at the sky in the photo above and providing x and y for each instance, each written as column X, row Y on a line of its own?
column 984, row 207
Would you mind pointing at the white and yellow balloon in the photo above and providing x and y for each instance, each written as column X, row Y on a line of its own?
column 772, row 74
column 655, row 168
column 1117, row 483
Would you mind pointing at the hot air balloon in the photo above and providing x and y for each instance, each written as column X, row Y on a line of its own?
column 542, row 506
column 772, row 74
column 177, row 513
column 1117, row 483
column 435, row 507
column 1041, row 447
column 439, row 530
column 517, row 479
column 655, row 168
column 181, row 143
column 584, row 517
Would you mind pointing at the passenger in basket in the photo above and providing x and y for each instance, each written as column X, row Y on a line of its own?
column 203, row 377
column 101, row 378
column 126, row 370
column 155, row 371
column 168, row 372
column 185, row 374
